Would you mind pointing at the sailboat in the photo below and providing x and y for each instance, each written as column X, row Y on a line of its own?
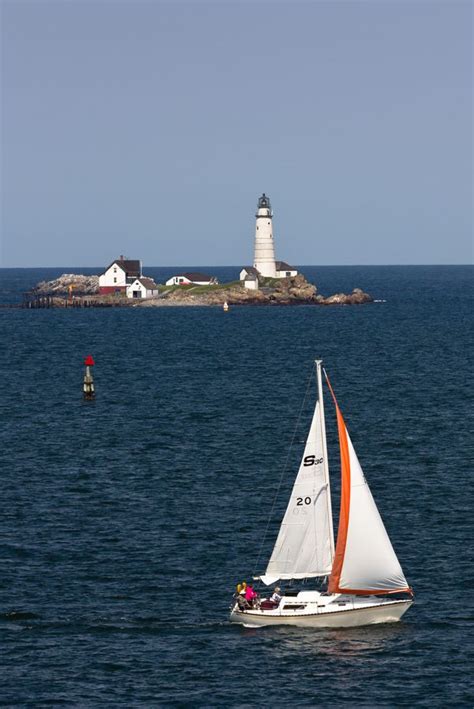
column 360, row 578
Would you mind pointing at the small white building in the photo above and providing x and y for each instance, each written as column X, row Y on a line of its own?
column 251, row 281
column 246, row 271
column 119, row 275
column 142, row 288
column 283, row 270
column 191, row 278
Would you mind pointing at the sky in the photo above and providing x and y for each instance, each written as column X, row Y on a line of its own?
column 151, row 128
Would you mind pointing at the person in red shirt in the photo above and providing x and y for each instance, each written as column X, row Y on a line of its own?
column 250, row 596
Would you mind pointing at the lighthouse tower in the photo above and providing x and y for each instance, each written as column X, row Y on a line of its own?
column 264, row 259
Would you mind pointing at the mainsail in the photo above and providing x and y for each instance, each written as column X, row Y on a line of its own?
column 305, row 545
column 365, row 561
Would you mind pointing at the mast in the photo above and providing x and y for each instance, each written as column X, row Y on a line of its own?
column 319, row 363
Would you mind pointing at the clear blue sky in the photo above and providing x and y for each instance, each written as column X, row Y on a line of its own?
column 151, row 128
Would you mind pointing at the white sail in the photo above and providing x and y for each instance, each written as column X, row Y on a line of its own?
column 305, row 545
column 369, row 562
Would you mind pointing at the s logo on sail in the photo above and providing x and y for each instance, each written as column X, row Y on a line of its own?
column 311, row 460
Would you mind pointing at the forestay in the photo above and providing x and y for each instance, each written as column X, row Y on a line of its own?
column 304, row 547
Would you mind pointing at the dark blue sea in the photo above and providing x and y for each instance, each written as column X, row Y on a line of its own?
column 125, row 523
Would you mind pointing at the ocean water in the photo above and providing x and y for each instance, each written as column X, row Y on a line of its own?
column 125, row 523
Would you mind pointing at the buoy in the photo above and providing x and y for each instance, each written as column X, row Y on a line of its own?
column 88, row 385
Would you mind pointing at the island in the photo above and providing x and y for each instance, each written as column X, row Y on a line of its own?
column 73, row 290
column 268, row 281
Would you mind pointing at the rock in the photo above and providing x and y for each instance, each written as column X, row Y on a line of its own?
column 357, row 297
column 81, row 285
column 294, row 288
column 336, row 299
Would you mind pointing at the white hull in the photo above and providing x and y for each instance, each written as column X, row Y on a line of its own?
column 383, row 612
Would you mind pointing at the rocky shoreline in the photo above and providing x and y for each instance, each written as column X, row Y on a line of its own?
column 71, row 290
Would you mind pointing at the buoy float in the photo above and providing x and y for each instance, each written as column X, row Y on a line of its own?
column 88, row 388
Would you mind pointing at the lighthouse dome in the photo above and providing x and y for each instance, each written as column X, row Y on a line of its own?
column 263, row 202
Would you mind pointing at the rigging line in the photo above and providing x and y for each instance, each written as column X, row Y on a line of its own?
column 331, row 389
column 284, row 469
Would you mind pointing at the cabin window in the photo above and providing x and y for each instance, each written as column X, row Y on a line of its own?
column 115, row 280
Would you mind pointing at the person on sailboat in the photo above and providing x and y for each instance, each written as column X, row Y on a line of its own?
column 276, row 597
column 251, row 595
column 242, row 601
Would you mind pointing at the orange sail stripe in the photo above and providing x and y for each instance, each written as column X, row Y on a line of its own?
column 345, row 503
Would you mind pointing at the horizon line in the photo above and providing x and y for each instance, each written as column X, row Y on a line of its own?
column 306, row 265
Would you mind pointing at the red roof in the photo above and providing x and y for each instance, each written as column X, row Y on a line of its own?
column 195, row 276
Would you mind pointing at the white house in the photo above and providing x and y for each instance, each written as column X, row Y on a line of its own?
column 251, row 281
column 283, row 270
column 142, row 288
column 119, row 275
column 246, row 271
column 191, row 278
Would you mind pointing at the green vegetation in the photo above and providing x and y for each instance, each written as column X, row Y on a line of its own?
column 168, row 289
column 212, row 288
column 215, row 287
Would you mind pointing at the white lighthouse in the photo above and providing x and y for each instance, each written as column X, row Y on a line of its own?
column 264, row 264
column 264, row 259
